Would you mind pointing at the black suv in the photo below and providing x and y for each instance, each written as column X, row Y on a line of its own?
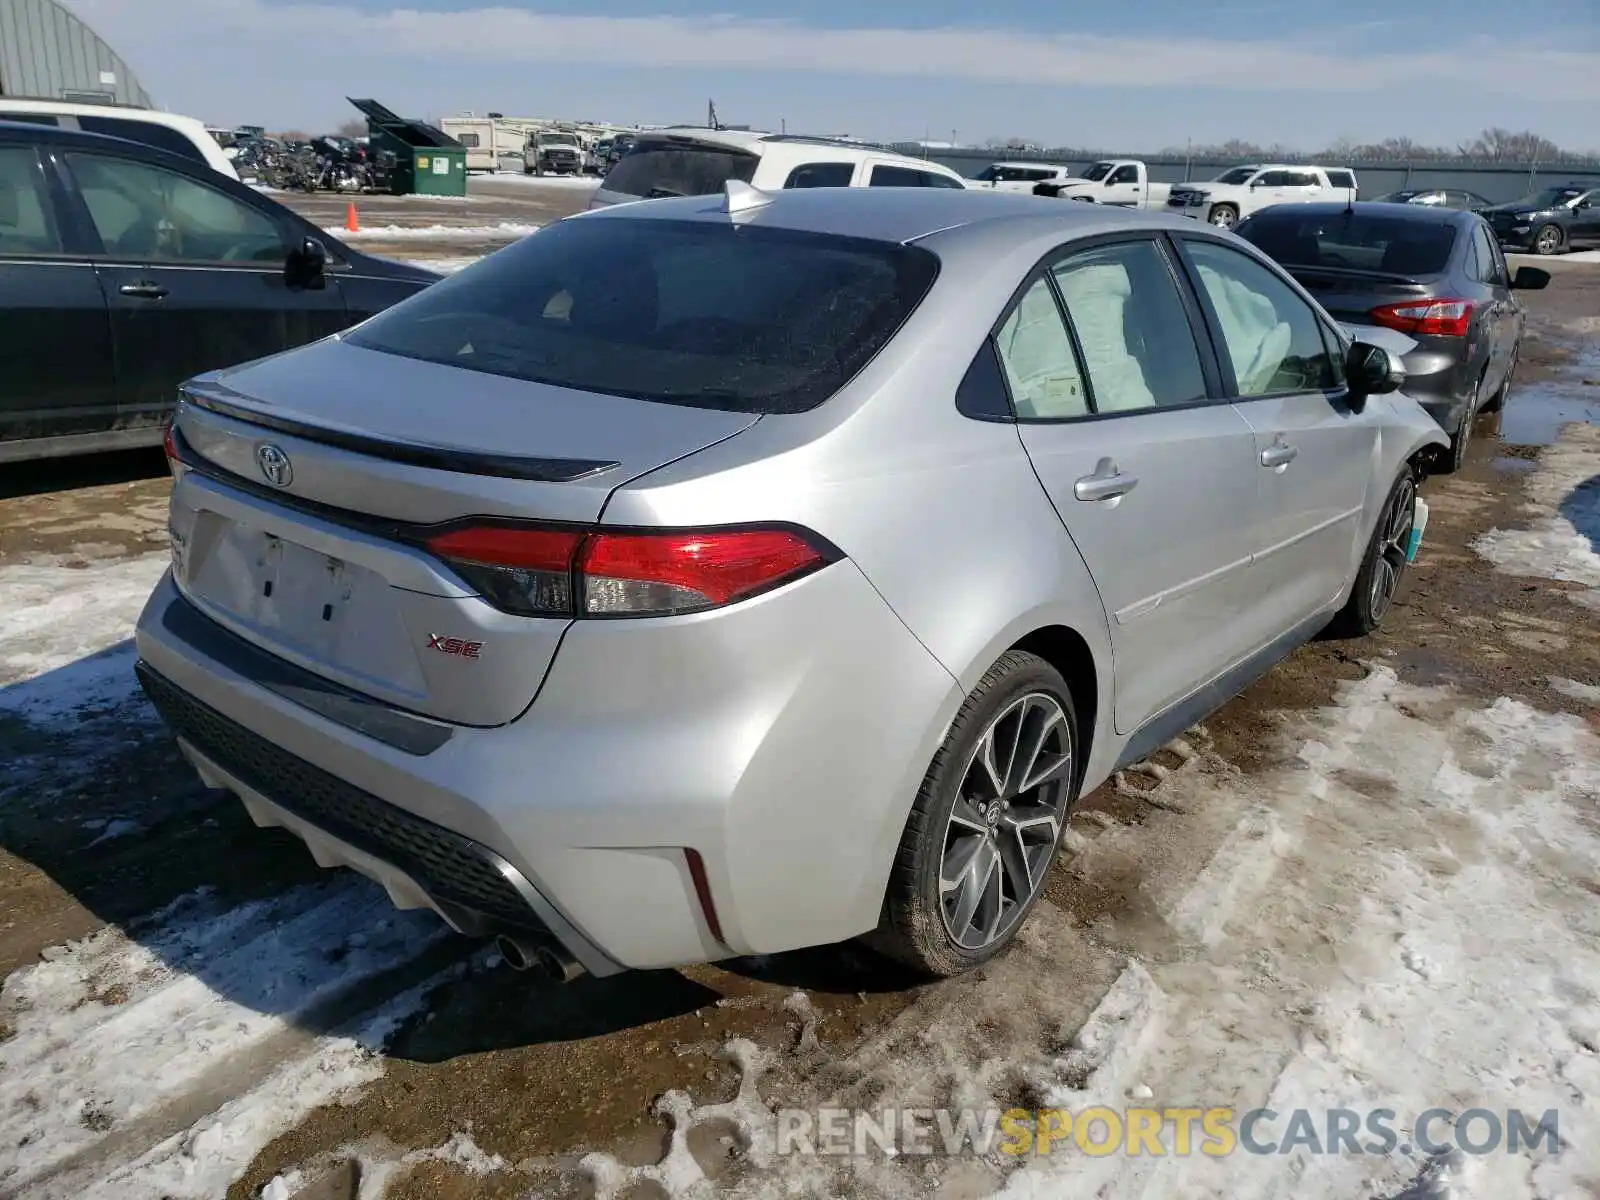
column 1559, row 218
column 125, row 270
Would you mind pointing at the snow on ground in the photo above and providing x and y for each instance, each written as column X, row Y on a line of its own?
column 505, row 231
column 56, row 616
column 1562, row 539
column 158, row 1062
column 1402, row 918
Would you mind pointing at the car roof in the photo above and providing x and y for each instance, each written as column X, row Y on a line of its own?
column 1420, row 214
column 190, row 127
column 27, row 131
column 902, row 214
column 760, row 142
column 1031, row 163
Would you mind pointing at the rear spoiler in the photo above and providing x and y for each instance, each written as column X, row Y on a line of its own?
column 1303, row 272
column 222, row 400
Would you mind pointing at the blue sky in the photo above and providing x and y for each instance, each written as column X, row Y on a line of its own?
column 1140, row 74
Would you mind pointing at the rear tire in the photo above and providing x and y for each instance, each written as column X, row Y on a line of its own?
column 1497, row 401
column 987, row 822
column 1548, row 240
column 1224, row 216
column 1384, row 564
column 1455, row 458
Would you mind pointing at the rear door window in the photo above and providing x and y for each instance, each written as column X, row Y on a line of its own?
column 708, row 314
column 934, row 179
column 1039, row 363
column 885, row 176
column 1132, row 327
column 27, row 224
column 655, row 169
column 811, row 175
column 1491, row 267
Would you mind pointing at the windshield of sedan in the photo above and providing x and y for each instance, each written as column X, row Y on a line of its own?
column 1358, row 241
column 1552, row 197
column 1237, row 175
column 738, row 318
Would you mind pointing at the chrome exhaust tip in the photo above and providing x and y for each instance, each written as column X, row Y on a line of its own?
column 549, row 959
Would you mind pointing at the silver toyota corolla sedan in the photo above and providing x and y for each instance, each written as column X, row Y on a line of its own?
column 719, row 576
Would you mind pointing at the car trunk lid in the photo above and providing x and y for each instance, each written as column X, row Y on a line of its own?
column 1349, row 295
column 317, row 476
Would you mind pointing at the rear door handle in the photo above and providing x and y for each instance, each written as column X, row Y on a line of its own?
column 1279, row 454
column 144, row 291
column 1107, row 483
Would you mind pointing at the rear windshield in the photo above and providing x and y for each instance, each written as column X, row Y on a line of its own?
column 655, row 169
column 739, row 318
column 1358, row 241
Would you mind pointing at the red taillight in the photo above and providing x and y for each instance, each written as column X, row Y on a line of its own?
column 1438, row 318
column 519, row 569
column 639, row 573
column 561, row 572
column 169, row 444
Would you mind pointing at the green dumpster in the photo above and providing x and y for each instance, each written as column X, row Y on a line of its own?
column 428, row 161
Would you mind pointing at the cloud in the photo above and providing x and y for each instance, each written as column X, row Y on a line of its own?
column 1352, row 61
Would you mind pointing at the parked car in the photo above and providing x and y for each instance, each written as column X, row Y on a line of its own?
column 124, row 270
column 1125, row 183
column 1024, row 177
column 1551, row 221
column 1439, row 197
column 175, row 134
column 783, row 569
column 1432, row 273
column 1241, row 191
column 553, row 152
column 699, row 162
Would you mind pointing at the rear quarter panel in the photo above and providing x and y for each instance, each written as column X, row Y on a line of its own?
column 942, row 513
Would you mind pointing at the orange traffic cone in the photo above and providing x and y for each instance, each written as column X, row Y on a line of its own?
column 352, row 222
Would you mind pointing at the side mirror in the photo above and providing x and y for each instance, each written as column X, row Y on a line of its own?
column 1371, row 371
column 1530, row 279
column 307, row 265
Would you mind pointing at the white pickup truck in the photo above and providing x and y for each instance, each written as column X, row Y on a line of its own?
column 1123, row 182
column 1241, row 191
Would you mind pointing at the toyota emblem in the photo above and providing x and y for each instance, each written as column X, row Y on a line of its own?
column 275, row 465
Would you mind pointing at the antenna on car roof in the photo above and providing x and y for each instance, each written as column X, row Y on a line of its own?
column 741, row 198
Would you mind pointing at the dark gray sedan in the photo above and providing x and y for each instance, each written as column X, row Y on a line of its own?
column 1433, row 273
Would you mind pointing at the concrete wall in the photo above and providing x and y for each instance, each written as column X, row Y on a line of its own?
column 1495, row 183
column 46, row 51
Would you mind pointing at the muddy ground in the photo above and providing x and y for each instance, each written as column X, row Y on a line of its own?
column 540, row 1074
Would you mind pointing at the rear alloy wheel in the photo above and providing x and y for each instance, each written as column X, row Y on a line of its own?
column 1548, row 240
column 1384, row 564
column 987, row 821
column 1224, row 216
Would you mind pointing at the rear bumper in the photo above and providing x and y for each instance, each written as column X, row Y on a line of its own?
column 782, row 741
column 1441, row 380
